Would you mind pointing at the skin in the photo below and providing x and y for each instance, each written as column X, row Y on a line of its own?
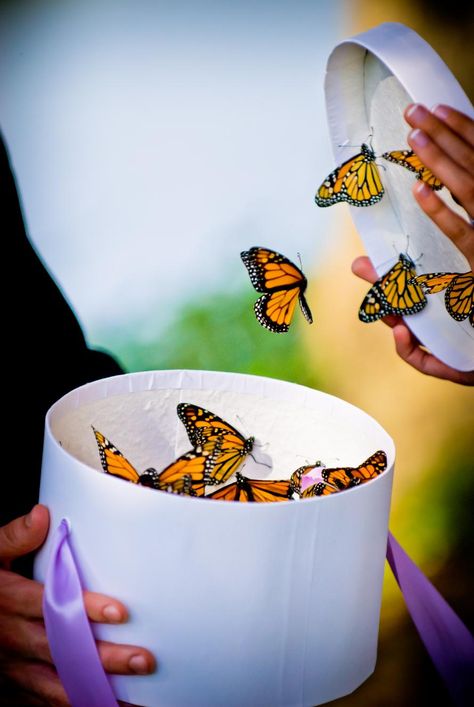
column 444, row 141
column 25, row 660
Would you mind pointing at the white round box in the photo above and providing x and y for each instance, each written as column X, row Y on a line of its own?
column 244, row 605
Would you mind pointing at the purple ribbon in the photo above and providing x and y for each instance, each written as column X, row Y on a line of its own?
column 447, row 640
column 69, row 632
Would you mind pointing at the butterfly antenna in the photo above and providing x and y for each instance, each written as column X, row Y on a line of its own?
column 269, row 466
column 300, row 261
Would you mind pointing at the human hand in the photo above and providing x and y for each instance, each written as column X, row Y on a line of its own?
column 27, row 672
column 407, row 345
column 444, row 142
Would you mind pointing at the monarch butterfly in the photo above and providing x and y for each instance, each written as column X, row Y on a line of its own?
column 203, row 426
column 282, row 284
column 348, row 476
column 187, row 474
column 255, row 490
column 459, row 295
column 356, row 181
column 408, row 159
column 394, row 293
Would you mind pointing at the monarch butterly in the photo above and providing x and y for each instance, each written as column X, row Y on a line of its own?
column 394, row 293
column 255, row 490
column 356, row 181
column 339, row 479
column 203, row 426
column 282, row 284
column 459, row 295
column 408, row 159
column 345, row 477
column 187, row 474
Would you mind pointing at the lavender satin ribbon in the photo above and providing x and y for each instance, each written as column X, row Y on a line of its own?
column 447, row 640
column 69, row 633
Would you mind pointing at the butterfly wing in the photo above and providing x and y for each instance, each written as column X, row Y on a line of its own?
column 189, row 473
column 112, row 460
column 255, row 490
column 459, row 297
column 340, row 478
column 320, row 489
column 408, row 159
column 396, row 292
column 202, row 424
column 282, row 284
column 371, row 467
column 356, row 181
column 435, row 281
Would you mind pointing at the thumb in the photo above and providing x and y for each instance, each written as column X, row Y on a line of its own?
column 24, row 534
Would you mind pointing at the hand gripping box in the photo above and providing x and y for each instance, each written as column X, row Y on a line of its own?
column 243, row 604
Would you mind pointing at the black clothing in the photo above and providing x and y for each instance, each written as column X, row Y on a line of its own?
column 45, row 354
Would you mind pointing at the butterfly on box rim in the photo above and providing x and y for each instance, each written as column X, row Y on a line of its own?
column 459, row 295
column 394, row 293
column 357, row 181
column 255, row 490
column 409, row 160
column 203, row 426
column 340, row 479
column 282, row 284
column 187, row 474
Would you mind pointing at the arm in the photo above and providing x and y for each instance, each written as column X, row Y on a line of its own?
column 27, row 674
column 444, row 141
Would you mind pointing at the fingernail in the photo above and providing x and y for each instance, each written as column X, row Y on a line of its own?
column 422, row 188
column 29, row 518
column 138, row 664
column 441, row 111
column 418, row 137
column 112, row 614
column 416, row 111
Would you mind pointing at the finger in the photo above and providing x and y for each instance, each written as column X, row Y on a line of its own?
column 450, row 223
column 408, row 348
column 363, row 268
column 452, row 144
column 122, row 659
column 40, row 681
column 103, row 609
column 24, row 534
column 459, row 123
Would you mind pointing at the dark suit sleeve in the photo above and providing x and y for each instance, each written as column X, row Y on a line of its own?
column 45, row 353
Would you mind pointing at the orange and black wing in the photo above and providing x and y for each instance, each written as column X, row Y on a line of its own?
column 255, row 490
column 341, row 478
column 408, row 159
column 371, row 467
column 113, row 461
column 282, row 284
column 203, row 427
column 319, row 489
column 356, row 181
column 459, row 296
column 396, row 292
column 188, row 474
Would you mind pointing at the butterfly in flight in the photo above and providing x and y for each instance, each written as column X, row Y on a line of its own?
column 204, row 427
column 394, row 293
column 339, row 479
column 459, row 295
column 356, row 181
column 408, row 159
column 282, row 285
column 186, row 475
column 256, row 490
